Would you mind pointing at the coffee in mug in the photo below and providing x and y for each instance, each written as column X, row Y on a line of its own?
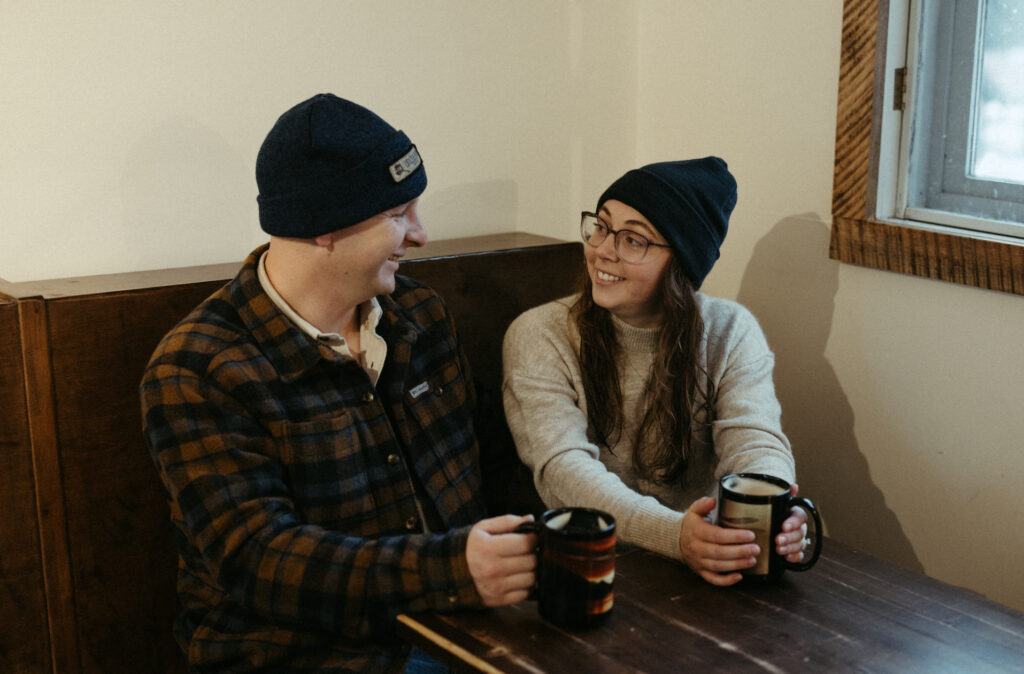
column 575, row 565
column 761, row 503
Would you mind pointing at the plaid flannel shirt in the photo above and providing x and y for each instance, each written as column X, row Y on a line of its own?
column 288, row 476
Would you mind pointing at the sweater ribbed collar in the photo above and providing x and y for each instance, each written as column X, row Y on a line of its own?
column 636, row 340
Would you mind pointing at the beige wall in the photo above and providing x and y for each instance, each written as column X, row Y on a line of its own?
column 902, row 395
column 129, row 131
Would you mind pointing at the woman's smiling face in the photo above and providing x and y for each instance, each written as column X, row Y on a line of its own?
column 629, row 291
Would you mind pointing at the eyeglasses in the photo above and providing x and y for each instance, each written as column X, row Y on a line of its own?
column 629, row 245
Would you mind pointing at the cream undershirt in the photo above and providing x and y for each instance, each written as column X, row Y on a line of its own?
column 375, row 349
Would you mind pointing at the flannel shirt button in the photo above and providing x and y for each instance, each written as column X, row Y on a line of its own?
column 367, row 397
column 439, row 390
column 393, row 459
column 452, row 598
column 410, row 523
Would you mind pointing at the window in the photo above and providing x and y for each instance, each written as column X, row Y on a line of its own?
column 948, row 209
column 960, row 103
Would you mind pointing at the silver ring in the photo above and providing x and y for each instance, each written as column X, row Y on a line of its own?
column 807, row 542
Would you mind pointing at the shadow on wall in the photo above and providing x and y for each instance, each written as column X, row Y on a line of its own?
column 790, row 285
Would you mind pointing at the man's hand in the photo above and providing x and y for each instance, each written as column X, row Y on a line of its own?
column 500, row 561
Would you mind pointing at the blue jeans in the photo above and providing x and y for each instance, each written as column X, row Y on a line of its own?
column 421, row 663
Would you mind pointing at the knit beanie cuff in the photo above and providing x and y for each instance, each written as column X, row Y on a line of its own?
column 328, row 164
column 688, row 202
column 347, row 198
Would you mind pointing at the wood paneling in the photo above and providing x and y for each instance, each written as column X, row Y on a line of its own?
column 24, row 642
column 46, row 465
column 94, row 564
column 119, row 535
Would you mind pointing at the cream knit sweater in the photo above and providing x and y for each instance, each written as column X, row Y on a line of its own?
column 546, row 410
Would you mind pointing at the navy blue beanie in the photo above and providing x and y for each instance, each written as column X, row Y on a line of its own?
column 689, row 202
column 328, row 164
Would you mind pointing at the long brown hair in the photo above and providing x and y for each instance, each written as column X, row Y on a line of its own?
column 673, row 404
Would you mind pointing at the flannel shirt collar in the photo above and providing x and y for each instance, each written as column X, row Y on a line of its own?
column 290, row 350
column 375, row 349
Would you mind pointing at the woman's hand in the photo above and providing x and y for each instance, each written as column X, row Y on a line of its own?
column 717, row 554
column 793, row 539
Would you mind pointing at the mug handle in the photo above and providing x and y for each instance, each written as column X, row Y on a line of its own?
column 533, row 527
column 528, row 527
column 808, row 507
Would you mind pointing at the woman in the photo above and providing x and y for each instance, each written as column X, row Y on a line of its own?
column 635, row 395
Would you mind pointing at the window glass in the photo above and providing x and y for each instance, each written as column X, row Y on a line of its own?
column 998, row 138
column 964, row 117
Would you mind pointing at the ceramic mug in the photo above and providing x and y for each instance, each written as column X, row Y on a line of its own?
column 762, row 503
column 575, row 565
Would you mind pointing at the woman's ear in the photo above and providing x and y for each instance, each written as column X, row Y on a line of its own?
column 325, row 241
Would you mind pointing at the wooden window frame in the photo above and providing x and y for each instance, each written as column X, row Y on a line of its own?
column 858, row 237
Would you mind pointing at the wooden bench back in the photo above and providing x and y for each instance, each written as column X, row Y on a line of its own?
column 87, row 564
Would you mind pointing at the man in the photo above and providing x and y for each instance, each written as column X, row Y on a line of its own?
column 311, row 423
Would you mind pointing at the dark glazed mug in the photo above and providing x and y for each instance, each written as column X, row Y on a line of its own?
column 575, row 565
column 762, row 503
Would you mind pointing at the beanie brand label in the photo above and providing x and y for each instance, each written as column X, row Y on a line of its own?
column 406, row 165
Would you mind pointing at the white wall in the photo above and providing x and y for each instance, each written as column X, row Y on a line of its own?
column 128, row 132
column 130, row 129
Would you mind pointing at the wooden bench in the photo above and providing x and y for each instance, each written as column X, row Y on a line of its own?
column 87, row 563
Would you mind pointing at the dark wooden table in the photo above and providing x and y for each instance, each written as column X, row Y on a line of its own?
column 851, row 613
